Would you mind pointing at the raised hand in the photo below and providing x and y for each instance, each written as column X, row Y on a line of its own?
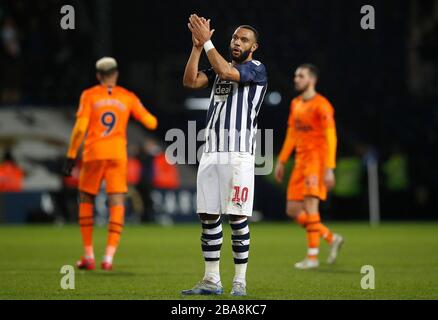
column 200, row 28
column 195, row 41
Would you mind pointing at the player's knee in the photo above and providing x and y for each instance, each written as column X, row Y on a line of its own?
column 293, row 211
column 233, row 218
column 207, row 217
column 86, row 197
column 116, row 199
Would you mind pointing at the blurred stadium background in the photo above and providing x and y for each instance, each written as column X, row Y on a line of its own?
column 383, row 84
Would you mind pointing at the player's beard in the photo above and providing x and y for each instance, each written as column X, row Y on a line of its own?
column 303, row 89
column 243, row 56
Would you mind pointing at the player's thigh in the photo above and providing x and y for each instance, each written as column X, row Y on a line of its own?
column 90, row 176
column 225, row 170
column 237, row 185
column 207, row 186
column 294, row 208
column 115, row 176
column 311, row 204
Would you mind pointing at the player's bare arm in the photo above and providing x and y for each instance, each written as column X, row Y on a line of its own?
column 222, row 67
column 193, row 78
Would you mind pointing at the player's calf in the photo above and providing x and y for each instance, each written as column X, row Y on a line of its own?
column 115, row 229
column 211, row 244
column 240, row 239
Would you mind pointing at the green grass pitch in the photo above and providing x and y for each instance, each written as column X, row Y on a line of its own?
column 155, row 262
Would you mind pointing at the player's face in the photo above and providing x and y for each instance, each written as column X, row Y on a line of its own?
column 243, row 43
column 303, row 79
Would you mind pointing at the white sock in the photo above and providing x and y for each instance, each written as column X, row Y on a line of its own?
column 240, row 275
column 89, row 253
column 313, row 252
column 108, row 259
column 212, row 271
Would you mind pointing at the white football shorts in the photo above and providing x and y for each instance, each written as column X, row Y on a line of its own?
column 225, row 183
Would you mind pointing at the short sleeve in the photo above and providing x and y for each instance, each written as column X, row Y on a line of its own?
column 211, row 75
column 252, row 71
column 84, row 106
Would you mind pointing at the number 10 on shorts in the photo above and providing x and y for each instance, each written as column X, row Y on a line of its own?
column 240, row 196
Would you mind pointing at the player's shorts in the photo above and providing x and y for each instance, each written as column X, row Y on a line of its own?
column 307, row 178
column 225, row 183
column 114, row 172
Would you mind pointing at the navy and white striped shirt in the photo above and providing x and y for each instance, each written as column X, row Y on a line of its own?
column 232, row 115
